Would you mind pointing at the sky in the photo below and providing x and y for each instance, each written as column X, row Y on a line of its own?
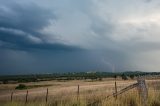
column 48, row 36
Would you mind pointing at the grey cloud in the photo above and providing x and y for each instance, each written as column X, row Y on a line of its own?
column 24, row 42
column 148, row 1
column 50, row 36
column 29, row 17
column 49, row 62
column 20, row 26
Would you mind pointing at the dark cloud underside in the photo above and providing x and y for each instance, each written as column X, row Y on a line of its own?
column 71, row 35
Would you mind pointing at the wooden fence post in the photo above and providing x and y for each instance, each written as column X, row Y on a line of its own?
column 47, row 95
column 27, row 96
column 115, row 87
column 78, row 93
column 11, row 96
column 143, row 91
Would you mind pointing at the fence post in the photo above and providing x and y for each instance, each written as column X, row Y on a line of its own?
column 27, row 96
column 47, row 95
column 115, row 87
column 11, row 96
column 78, row 93
column 143, row 91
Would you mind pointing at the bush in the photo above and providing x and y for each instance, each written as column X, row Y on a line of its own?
column 5, row 81
column 131, row 76
column 124, row 77
column 21, row 86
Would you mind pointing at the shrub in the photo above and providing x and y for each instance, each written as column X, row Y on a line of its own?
column 131, row 76
column 5, row 81
column 21, row 86
column 124, row 77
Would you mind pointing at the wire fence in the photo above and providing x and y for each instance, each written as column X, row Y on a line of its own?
column 114, row 91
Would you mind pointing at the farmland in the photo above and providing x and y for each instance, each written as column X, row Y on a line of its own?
column 91, row 93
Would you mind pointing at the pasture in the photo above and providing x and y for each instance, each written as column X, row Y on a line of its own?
column 65, row 93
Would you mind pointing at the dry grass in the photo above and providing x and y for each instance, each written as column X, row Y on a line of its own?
column 128, row 99
column 91, row 94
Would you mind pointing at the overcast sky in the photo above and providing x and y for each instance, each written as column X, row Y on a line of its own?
column 47, row 36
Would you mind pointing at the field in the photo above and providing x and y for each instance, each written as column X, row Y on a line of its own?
column 65, row 93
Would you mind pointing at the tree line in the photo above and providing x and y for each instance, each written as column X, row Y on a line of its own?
column 73, row 76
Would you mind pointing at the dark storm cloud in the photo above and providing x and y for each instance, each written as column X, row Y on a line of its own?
column 21, row 62
column 27, row 17
column 19, row 26
column 78, row 35
column 23, row 49
column 14, row 39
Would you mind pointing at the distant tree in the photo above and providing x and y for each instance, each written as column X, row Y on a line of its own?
column 131, row 76
column 115, row 76
column 100, row 78
column 21, row 86
column 124, row 77
column 5, row 81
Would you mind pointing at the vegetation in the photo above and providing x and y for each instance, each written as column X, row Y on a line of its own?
column 124, row 77
column 89, row 96
column 72, row 76
column 21, row 86
column 91, row 99
column 131, row 76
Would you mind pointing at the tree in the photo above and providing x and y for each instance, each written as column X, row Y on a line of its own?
column 21, row 86
column 115, row 76
column 124, row 77
column 5, row 81
column 131, row 76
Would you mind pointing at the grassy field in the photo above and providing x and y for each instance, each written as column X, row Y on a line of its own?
column 64, row 93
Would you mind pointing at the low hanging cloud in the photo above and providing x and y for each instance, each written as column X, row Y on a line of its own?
column 20, row 26
column 72, row 35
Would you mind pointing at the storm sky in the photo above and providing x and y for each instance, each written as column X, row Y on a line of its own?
column 48, row 36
